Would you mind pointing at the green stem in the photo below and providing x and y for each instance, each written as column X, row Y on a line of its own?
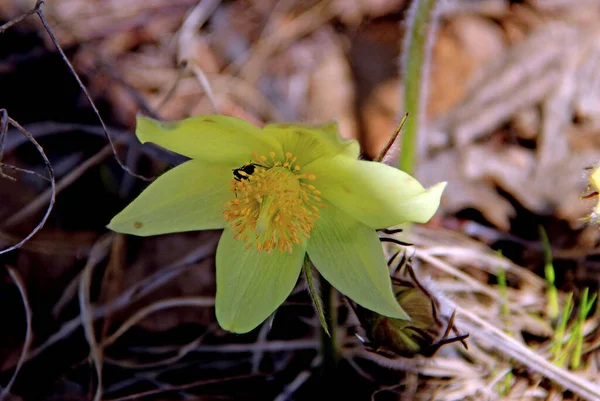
column 329, row 345
column 421, row 26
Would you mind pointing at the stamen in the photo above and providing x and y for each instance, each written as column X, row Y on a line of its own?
column 273, row 207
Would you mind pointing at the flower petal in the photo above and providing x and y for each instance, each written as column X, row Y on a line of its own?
column 216, row 138
column 376, row 194
column 349, row 255
column 189, row 197
column 310, row 142
column 251, row 284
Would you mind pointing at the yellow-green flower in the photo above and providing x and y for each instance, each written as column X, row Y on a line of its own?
column 279, row 193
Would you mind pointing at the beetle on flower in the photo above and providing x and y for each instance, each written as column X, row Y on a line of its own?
column 308, row 194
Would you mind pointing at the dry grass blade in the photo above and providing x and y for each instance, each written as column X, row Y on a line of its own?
column 97, row 253
column 132, row 294
column 310, row 20
column 440, row 264
column 28, row 334
column 298, row 381
column 181, row 351
column 506, row 345
column 167, row 388
column 257, row 355
column 269, row 346
column 154, row 307
column 246, row 93
column 72, row 288
column 491, row 263
column 51, row 193
column 190, row 26
column 201, row 76
column 193, row 22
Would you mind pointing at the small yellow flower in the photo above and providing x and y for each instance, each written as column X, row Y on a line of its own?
column 594, row 180
column 279, row 193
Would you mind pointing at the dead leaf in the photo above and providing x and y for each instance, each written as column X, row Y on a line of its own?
column 462, row 192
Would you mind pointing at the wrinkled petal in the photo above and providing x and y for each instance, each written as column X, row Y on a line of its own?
column 349, row 255
column 251, row 285
column 310, row 142
column 216, row 138
column 378, row 195
column 189, row 197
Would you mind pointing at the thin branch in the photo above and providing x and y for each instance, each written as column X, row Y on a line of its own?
column 40, row 14
column 52, row 192
column 20, row 170
column 3, row 135
column 21, row 17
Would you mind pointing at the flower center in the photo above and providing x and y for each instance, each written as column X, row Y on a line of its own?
column 274, row 206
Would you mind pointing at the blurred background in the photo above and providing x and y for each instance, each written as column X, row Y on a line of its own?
column 512, row 123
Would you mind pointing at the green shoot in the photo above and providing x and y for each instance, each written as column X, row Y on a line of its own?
column 559, row 333
column 551, row 292
column 571, row 351
column 508, row 383
column 502, row 287
column 578, row 330
column 504, row 386
column 585, row 306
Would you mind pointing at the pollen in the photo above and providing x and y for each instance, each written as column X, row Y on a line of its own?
column 274, row 207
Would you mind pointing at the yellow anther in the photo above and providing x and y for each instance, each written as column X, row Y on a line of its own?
column 273, row 207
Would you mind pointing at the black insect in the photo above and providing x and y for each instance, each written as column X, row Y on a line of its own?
column 242, row 173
